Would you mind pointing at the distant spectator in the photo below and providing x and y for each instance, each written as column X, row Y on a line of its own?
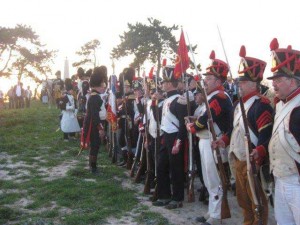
column 231, row 88
column 44, row 96
column 11, row 98
column 18, row 95
column 1, row 100
column 28, row 95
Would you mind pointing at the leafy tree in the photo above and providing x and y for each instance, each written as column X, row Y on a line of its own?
column 151, row 42
column 88, row 53
column 21, row 51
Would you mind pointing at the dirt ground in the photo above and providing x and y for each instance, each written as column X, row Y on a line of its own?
column 186, row 214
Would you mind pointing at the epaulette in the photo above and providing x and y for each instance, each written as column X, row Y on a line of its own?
column 182, row 100
column 222, row 95
column 94, row 93
column 264, row 99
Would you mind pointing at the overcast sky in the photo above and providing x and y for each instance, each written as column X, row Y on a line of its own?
column 66, row 25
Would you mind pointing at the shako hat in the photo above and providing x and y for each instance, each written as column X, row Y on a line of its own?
column 168, row 74
column 218, row 68
column 285, row 61
column 137, row 83
column 251, row 69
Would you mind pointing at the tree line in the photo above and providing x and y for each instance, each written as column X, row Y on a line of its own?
column 22, row 52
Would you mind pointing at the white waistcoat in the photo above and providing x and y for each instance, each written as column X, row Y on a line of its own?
column 237, row 142
column 153, row 123
column 102, row 113
column 283, row 147
column 169, row 122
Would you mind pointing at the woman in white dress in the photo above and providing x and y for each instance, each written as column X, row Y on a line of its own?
column 69, row 123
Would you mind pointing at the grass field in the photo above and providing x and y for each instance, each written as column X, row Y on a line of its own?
column 42, row 181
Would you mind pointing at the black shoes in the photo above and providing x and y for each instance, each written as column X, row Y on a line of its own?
column 161, row 202
column 174, row 205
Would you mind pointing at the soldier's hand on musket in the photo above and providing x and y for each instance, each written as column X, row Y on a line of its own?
column 189, row 119
column 176, row 147
column 218, row 144
column 101, row 134
column 188, row 126
column 254, row 156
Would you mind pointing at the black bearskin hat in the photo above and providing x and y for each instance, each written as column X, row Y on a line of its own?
column 98, row 77
column 68, row 84
column 58, row 74
column 126, row 78
column 80, row 72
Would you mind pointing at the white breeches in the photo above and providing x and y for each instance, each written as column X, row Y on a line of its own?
column 287, row 200
column 211, row 178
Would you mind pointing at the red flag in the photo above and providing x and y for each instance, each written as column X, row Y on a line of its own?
column 182, row 60
column 151, row 73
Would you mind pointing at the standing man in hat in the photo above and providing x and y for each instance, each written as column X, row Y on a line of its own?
column 126, row 116
column 92, row 120
column 260, row 121
column 284, row 146
column 57, row 88
column 220, row 106
column 170, row 168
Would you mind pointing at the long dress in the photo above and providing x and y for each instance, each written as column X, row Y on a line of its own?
column 69, row 122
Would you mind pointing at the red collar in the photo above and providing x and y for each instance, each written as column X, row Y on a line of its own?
column 292, row 95
column 248, row 96
column 220, row 88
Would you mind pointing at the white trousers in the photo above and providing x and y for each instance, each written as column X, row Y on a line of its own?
column 287, row 200
column 211, row 179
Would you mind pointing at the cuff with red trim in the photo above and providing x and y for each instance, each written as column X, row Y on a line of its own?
column 261, row 154
column 225, row 139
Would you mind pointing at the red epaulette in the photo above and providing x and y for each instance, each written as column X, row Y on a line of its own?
column 264, row 99
column 222, row 95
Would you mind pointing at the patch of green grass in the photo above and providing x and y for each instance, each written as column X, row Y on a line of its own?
column 9, row 198
column 151, row 218
column 31, row 133
column 7, row 214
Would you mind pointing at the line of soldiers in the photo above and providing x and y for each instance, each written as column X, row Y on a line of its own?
column 166, row 131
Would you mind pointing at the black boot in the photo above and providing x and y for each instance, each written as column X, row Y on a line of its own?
column 203, row 193
column 93, row 164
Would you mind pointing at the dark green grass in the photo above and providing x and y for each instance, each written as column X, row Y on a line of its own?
column 29, row 135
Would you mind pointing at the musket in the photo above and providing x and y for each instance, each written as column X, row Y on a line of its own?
column 144, row 155
column 149, row 169
column 225, row 211
column 252, row 173
column 157, row 142
column 137, row 154
column 127, row 134
column 224, row 51
column 191, row 174
column 108, row 144
column 141, row 168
